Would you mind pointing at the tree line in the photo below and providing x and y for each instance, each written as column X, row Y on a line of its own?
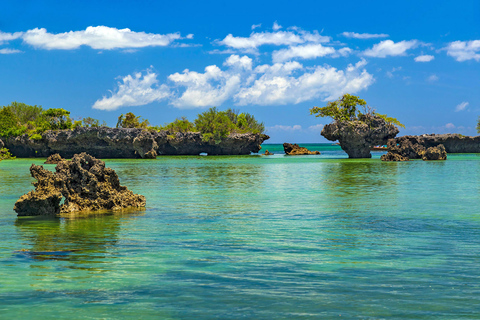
column 19, row 118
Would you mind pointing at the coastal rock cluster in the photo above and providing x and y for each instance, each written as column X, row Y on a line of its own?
column 453, row 143
column 84, row 183
column 413, row 147
column 54, row 159
column 357, row 136
column 295, row 149
column 105, row 142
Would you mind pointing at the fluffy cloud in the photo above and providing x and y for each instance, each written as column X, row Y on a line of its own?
column 5, row 37
column 364, row 35
column 316, row 128
column 464, row 50
column 424, row 58
column 461, row 106
column 277, row 38
column 276, row 26
column 100, row 37
column 279, row 127
column 277, row 84
column 211, row 88
column 389, row 48
column 9, row 51
column 136, row 90
column 308, row 51
column 450, row 126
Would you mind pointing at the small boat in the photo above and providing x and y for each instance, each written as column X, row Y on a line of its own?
column 379, row 148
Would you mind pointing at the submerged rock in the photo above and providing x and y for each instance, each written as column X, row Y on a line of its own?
column 84, row 183
column 435, row 153
column 295, row 149
column 268, row 153
column 356, row 137
column 54, row 159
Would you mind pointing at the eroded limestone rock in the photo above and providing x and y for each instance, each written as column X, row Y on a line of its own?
column 435, row 153
column 295, row 149
column 357, row 136
column 54, row 159
column 84, row 183
column 393, row 157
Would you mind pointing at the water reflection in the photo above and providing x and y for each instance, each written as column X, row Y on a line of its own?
column 73, row 238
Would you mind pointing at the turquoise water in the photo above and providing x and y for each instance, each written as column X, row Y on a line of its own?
column 254, row 237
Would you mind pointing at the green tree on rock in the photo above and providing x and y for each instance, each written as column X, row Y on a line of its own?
column 130, row 120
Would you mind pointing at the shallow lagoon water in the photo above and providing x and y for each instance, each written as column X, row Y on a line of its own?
column 254, row 237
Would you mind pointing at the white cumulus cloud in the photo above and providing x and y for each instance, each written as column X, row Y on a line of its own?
column 211, row 88
column 240, row 82
column 389, row 48
column 137, row 90
column 277, row 38
column 5, row 36
column 101, row 37
column 276, row 26
column 450, row 126
column 279, row 127
column 424, row 58
column 364, row 35
column 278, row 85
column 308, row 51
column 462, row 106
column 9, row 51
column 464, row 50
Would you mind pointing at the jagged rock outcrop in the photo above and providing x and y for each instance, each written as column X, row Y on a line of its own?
column 130, row 143
column 453, row 143
column 268, row 153
column 409, row 147
column 357, row 136
column 84, row 183
column 393, row 157
column 54, row 159
column 435, row 153
column 413, row 147
column 295, row 149
column 45, row 199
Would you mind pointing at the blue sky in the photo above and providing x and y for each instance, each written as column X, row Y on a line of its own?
column 418, row 61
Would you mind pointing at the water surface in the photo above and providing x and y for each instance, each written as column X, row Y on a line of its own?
column 254, row 237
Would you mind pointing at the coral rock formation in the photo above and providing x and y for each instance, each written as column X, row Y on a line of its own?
column 393, row 157
column 85, row 184
column 268, row 153
column 357, row 136
column 54, row 159
column 295, row 149
column 104, row 142
column 413, row 147
column 435, row 153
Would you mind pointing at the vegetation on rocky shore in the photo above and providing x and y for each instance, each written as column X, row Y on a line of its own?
column 356, row 126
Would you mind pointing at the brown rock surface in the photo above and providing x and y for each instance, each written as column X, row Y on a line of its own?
column 435, row 153
column 85, row 184
column 356, row 137
column 295, row 149
column 393, row 157
column 54, row 159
